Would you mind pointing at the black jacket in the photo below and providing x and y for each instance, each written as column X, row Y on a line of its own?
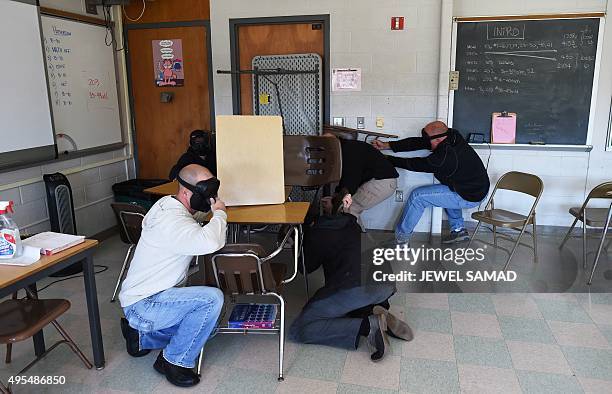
column 454, row 163
column 362, row 162
column 334, row 242
column 190, row 157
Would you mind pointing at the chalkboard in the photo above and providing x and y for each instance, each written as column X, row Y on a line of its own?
column 542, row 70
column 82, row 83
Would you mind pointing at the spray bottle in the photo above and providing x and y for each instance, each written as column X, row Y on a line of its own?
column 10, row 241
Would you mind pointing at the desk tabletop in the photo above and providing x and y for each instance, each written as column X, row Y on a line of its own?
column 10, row 274
column 166, row 189
column 286, row 213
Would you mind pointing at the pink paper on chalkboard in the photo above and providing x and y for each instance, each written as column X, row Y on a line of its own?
column 503, row 128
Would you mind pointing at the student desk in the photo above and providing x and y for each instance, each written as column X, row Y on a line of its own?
column 289, row 213
column 13, row 278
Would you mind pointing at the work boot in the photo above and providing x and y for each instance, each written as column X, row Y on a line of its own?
column 178, row 376
column 132, row 340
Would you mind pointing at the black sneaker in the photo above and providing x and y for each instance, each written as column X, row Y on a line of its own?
column 132, row 342
column 456, row 236
column 178, row 376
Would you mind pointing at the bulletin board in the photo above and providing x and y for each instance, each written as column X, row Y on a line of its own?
column 250, row 159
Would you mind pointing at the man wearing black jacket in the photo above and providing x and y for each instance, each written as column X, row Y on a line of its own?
column 366, row 174
column 464, row 181
column 201, row 151
column 344, row 309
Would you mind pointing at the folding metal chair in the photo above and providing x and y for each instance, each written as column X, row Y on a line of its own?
column 592, row 217
column 130, row 217
column 518, row 182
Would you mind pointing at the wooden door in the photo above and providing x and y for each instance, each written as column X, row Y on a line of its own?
column 274, row 39
column 162, row 129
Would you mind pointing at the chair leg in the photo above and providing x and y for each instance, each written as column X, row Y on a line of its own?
column 601, row 244
column 535, row 240
column 518, row 241
column 584, row 245
column 495, row 235
column 569, row 231
column 9, row 351
column 281, row 335
column 200, row 357
column 473, row 235
column 72, row 345
column 4, row 389
column 122, row 272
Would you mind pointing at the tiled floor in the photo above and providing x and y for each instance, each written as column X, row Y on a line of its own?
column 472, row 343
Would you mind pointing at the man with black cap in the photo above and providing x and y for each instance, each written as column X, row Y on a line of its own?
column 464, row 181
column 201, row 151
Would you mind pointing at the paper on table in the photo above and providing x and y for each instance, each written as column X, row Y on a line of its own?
column 30, row 255
column 503, row 129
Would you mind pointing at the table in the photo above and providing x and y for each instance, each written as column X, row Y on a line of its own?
column 170, row 188
column 13, row 278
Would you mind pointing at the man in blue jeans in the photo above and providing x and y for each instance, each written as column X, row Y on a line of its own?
column 464, row 181
column 158, row 313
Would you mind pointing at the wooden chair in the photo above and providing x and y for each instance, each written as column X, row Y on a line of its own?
column 518, row 182
column 20, row 319
column 243, row 270
column 592, row 217
column 130, row 217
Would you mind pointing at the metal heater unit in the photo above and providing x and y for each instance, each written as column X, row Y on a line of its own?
column 61, row 212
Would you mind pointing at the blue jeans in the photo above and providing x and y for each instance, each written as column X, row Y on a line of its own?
column 179, row 320
column 428, row 196
column 326, row 321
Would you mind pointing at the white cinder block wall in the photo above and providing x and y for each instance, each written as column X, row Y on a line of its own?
column 405, row 79
column 566, row 175
column 399, row 68
column 91, row 177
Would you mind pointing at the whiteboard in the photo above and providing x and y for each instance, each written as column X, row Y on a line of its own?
column 24, row 102
column 82, row 83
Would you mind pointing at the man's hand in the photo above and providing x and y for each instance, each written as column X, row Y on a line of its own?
column 380, row 145
column 347, row 201
column 217, row 204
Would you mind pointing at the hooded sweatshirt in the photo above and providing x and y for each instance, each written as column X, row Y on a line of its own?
column 170, row 237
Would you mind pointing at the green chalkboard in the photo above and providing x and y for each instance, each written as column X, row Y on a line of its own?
column 542, row 70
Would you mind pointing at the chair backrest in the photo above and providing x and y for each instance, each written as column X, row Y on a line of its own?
column 522, row 183
column 237, row 269
column 603, row 190
column 311, row 160
column 130, row 217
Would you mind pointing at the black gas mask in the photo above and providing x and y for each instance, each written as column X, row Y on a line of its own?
column 200, row 142
column 202, row 191
column 427, row 138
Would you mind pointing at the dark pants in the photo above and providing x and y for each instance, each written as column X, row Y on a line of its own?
column 335, row 319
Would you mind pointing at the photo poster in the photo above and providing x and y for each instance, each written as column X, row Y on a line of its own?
column 168, row 62
column 346, row 79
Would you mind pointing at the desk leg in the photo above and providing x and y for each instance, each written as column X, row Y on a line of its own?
column 93, row 312
column 39, row 337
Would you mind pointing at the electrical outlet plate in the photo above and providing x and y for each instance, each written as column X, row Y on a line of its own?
column 360, row 122
column 453, row 80
column 338, row 121
column 399, row 195
column 380, row 122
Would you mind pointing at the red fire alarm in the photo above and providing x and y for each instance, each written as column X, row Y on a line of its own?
column 397, row 23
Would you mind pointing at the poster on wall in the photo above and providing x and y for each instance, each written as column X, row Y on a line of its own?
column 346, row 79
column 168, row 62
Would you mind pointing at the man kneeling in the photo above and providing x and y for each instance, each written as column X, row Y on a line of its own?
column 344, row 309
column 178, row 320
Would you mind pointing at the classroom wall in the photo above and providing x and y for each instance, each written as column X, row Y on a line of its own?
column 405, row 79
column 91, row 177
column 399, row 68
column 566, row 175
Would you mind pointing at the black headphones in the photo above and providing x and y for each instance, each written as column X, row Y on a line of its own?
column 202, row 191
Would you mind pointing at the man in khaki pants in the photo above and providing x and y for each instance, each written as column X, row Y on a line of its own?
column 366, row 174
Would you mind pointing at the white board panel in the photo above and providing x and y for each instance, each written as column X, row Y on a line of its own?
column 24, row 102
column 250, row 159
column 83, row 84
